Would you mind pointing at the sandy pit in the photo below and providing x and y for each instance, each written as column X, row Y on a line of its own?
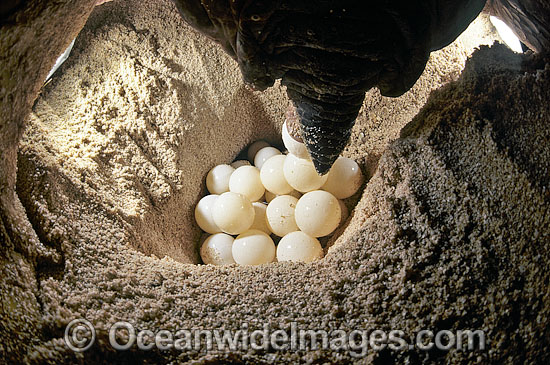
column 451, row 230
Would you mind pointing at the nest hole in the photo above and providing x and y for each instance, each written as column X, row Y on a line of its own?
column 131, row 125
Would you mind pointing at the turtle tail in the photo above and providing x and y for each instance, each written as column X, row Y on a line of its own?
column 326, row 119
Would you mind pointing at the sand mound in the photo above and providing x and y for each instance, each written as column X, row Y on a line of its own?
column 451, row 231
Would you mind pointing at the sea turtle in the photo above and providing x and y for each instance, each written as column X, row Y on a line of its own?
column 328, row 53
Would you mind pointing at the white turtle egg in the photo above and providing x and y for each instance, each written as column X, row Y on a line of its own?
column 294, row 147
column 272, row 176
column 254, row 148
column 239, row 163
column 344, row 179
column 203, row 214
column 301, row 174
column 253, row 247
column 260, row 220
column 318, row 213
column 233, row 213
column 280, row 215
column 217, row 249
column 298, row 246
column 217, row 180
column 265, row 154
column 246, row 181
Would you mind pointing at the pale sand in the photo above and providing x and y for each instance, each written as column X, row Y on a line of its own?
column 451, row 231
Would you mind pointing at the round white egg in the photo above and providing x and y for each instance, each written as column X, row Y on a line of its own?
column 273, row 177
column 318, row 213
column 246, row 181
column 253, row 247
column 239, row 163
column 293, row 146
column 260, row 220
column 298, row 246
column 203, row 214
column 254, row 148
column 233, row 213
column 217, row 249
column 217, row 180
column 265, row 154
column 301, row 174
column 280, row 215
column 344, row 178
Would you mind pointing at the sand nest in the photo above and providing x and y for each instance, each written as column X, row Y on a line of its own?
column 450, row 232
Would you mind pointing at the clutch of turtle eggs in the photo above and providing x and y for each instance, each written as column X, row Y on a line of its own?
column 281, row 195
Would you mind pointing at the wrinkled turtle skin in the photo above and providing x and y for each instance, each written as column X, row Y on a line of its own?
column 329, row 53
